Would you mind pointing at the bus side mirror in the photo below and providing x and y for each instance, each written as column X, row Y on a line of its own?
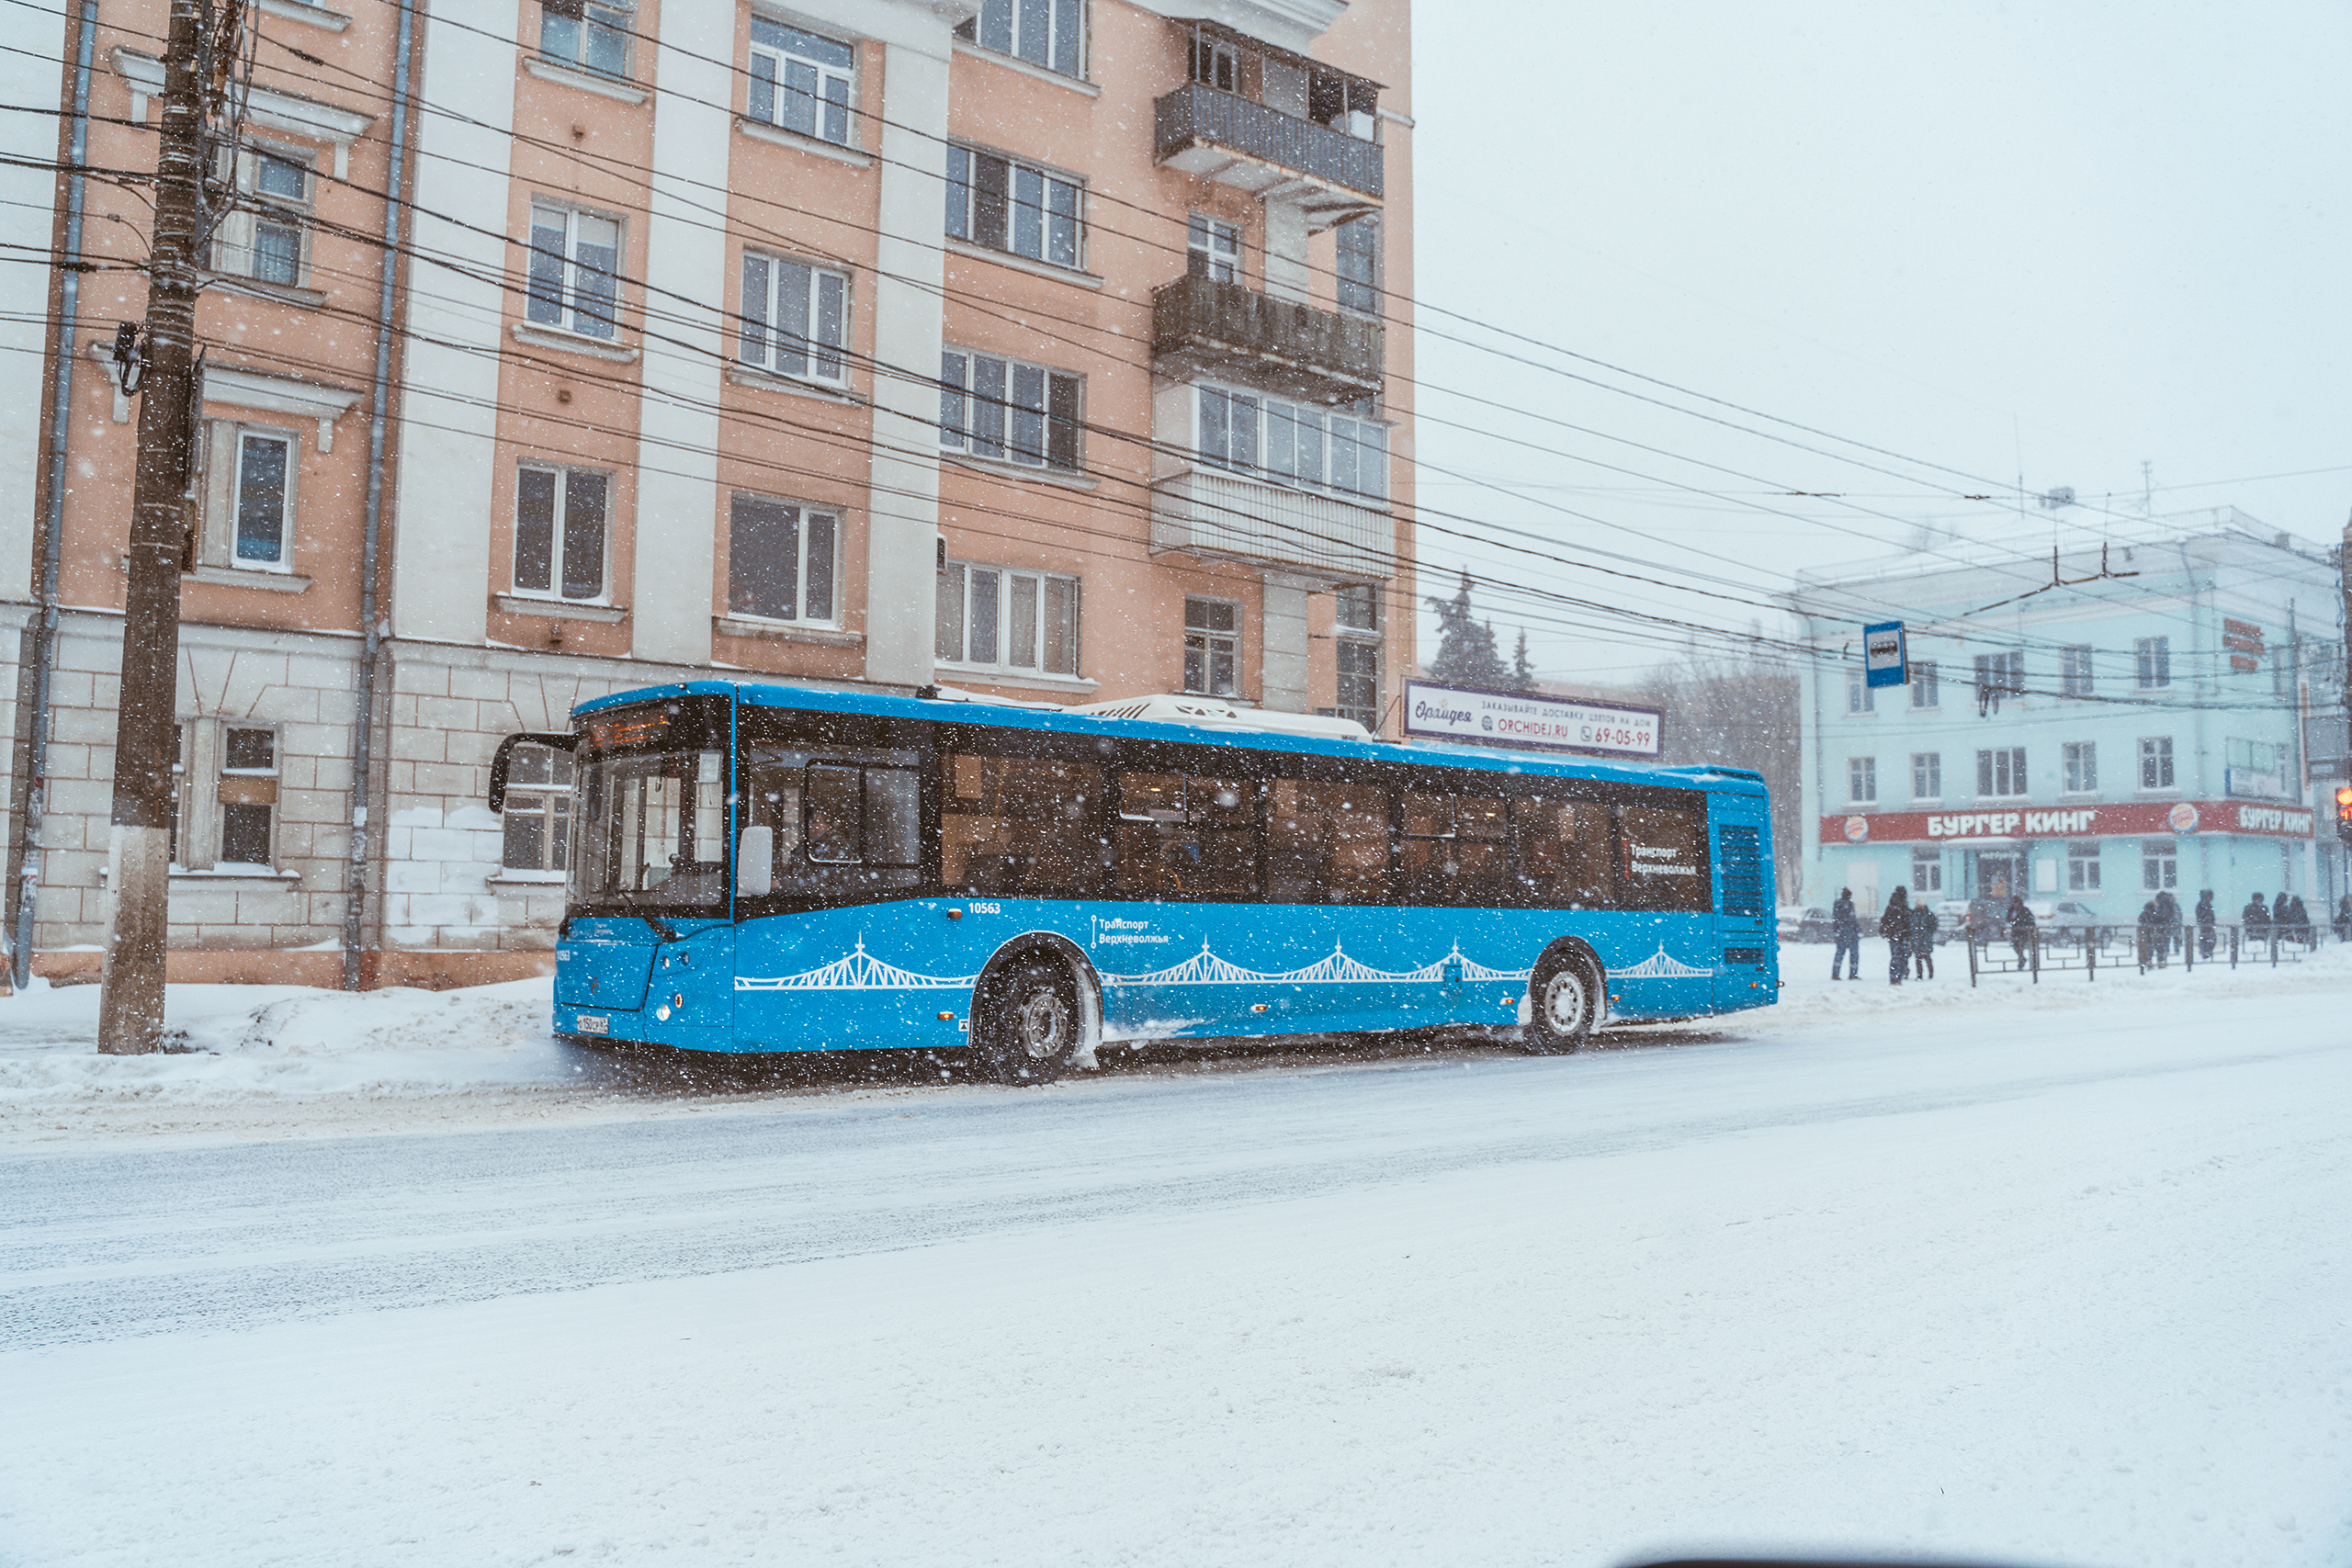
column 756, row 862
column 506, row 757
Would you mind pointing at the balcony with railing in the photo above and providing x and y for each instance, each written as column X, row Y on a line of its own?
column 1226, row 516
column 1226, row 137
column 1201, row 326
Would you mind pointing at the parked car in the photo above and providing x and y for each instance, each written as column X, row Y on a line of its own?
column 2066, row 918
column 1801, row 922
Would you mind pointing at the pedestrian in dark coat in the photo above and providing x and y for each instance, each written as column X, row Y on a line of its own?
column 1895, row 926
column 1846, row 926
column 1923, row 942
column 2343, row 919
column 2205, row 924
column 2149, row 920
column 2167, row 926
column 2021, row 921
column 2257, row 922
column 2302, row 920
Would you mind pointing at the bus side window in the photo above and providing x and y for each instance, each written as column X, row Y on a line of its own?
column 1020, row 825
column 1326, row 843
column 1564, row 851
column 1456, row 849
column 1181, row 834
column 1663, row 858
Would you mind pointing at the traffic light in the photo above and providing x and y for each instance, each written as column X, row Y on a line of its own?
column 2343, row 814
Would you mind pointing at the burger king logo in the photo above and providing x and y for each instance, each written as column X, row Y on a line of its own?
column 1857, row 829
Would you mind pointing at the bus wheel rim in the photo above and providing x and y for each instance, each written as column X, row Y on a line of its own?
column 1564, row 1002
column 1044, row 1023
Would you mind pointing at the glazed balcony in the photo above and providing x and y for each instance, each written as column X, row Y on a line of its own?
column 1223, row 516
column 1232, row 332
column 1272, row 155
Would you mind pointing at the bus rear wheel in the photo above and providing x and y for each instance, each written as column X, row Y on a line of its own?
column 1564, row 998
column 1028, row 1029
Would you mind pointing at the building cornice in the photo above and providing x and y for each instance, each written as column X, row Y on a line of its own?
column 1286, row 24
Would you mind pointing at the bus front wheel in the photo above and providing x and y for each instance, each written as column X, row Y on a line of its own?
column 1566, row 998
column 1029, row 1027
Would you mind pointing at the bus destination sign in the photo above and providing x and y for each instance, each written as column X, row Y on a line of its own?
column 1437, row 711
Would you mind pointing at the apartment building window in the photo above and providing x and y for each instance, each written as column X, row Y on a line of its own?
column 1860, row 695
column 782, row 560
column 1359, row 265
column 2152, row 663
column 248, row 489
column 1926, row 775
column 1213, row 248
column 1998, row 675
column 264, row 236
column 2155, row 761
column 1292, row 443
column 537, row 819
column 1212, row 647
column 2082, row 766
column 591, row 34
column 1925, row 692
column 993, row 616
column 1356, row 616
column 796, row 317
column 1927, row 871
column 1009, row 411
column 1050, row 33
column 224, row 796
column 575, row 261
column 2082, row 866
column 559, row 527
column 2159, row 864
column 2001, row 771
column 1356, row 607
column 1862, row 780
column 1213, row 63
column 800, row 80
column 248, row 794
column 2255, row 768
column 1006, row 206
column 2075, row 670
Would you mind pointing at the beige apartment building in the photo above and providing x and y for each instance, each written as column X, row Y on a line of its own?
column 1036, row 350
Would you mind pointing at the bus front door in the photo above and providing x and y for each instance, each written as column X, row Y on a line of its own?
column 1748, row 967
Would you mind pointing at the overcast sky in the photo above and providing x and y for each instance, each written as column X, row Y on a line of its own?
column 2061, row 238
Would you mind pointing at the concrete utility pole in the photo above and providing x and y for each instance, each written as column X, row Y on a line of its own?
column 130, row 1004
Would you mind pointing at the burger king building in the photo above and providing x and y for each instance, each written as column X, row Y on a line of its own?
column 2122, row 721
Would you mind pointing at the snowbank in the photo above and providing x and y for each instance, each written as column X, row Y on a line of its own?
column 247, row 1040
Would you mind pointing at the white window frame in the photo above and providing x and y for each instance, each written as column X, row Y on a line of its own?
column 1999, row 675
column 2157, row 764
column 1208, row 641
column 1276, row 441
column 570, row 307
column 1002, row 28
column 1925, row 691
column 237, row 243
column 1862, row 697
column 1927, row 871
column 1997, row 765
column 974, row 418
column 2077, row 672
column 793, row 310
column 611, row 23
column 808, row 524
column 2081, row 768
column 1057, row 199
column 1926, row 775
column 2159, row 864
column 204, row 783
column 2152, row 663
column 550, row 800
column 1212, row 248
column 960, row 583
column 2082, row 866
column 1862, row 780
column 224, row 455
column 558, row 534
column 826, row 87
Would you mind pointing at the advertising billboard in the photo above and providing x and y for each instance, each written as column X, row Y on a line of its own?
column 1434, row 711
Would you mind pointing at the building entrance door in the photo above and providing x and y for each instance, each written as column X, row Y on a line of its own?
column 1998, row 875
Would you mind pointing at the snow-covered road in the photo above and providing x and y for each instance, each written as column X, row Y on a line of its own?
column 2054, row 1276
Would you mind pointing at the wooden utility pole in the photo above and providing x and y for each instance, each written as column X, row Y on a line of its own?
column 130, row 1003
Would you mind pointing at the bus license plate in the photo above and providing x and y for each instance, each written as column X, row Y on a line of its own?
column 592, row 1024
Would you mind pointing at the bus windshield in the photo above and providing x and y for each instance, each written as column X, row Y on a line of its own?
column 652, row 832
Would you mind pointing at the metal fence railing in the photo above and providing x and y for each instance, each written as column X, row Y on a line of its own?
column 2137, row 950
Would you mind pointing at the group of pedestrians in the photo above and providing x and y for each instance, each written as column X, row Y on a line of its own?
column 2286, row 920
column 1909, row 930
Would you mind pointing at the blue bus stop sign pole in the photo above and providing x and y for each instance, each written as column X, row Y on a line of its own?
column 1883, row 659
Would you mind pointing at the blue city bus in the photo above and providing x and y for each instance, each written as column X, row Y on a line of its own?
column 759, row 868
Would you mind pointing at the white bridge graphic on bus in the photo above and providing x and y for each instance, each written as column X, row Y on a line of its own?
column 860, row 971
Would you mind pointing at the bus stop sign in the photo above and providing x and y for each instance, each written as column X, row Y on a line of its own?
column 1884, row 663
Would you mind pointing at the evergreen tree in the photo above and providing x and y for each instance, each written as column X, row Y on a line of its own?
column 1523, row 674
column 1466, row 646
